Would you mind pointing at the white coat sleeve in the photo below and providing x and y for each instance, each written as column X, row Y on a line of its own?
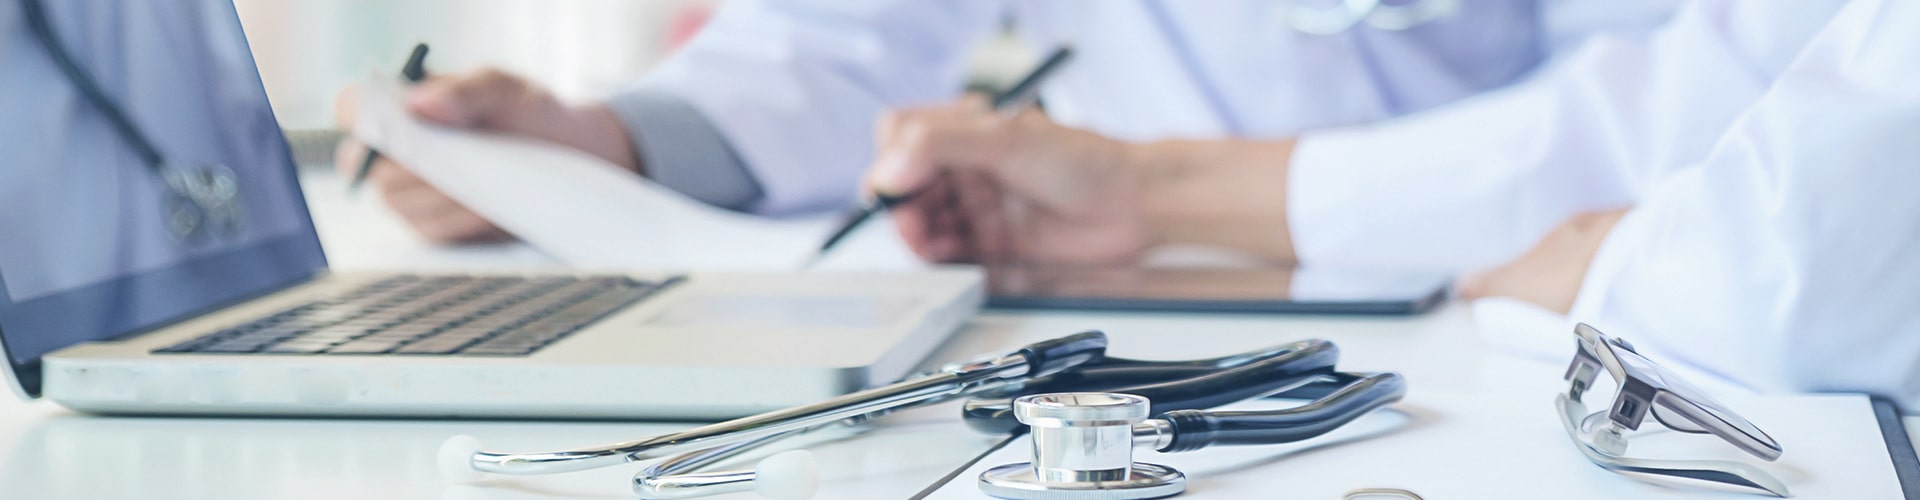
column 793, row 87
column 1789, row 259
column 1474, row 183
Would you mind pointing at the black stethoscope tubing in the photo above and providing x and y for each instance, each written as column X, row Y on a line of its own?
column 1182, row 391
column 36, row 16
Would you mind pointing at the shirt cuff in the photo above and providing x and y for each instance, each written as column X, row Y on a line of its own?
column 1620, row 248
column 680, row 149
column 1365, row 197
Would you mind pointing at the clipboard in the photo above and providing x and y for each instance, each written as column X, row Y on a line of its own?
column 1269, row 290
column 1893, row 429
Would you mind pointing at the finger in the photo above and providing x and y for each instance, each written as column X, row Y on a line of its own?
column 980, row 202
column 912, row 225
column 913, row 220
column 951, row 242
column 474, row 100
column 890, row 121
column 420, row 203
column 346, row 107
column 391, row 175
column 459, row 226
column 975, row 101
column 441, row 219
column 348, row 155
column 926, row 224
column 1475, row 286
column 923, row 145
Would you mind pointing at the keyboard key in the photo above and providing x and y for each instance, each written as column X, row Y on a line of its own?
column 430, row 347
column 230, row 346
column 433, row 315
column 297, row 347
column 497, row 351
column 364, row 346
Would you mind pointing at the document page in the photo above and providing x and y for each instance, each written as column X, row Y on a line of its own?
column 580, row 209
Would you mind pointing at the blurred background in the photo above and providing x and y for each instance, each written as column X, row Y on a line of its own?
column 582, row 49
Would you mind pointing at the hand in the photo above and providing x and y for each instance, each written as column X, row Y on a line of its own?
column 488, row 100
column 1025, row 189
column 1549, row 275
column 991, row 188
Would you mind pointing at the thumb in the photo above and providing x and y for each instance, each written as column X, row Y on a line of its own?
column 896, row 173
column 476, row 100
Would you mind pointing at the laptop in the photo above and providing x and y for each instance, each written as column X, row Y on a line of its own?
column 109, row 305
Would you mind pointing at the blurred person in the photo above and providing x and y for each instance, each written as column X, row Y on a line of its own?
column 1788, row 257
column 1757, row 158
column 771, row 108
column 1457, row 187
column 121, row 183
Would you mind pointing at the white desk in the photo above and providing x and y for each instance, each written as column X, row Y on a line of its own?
column 48, row 452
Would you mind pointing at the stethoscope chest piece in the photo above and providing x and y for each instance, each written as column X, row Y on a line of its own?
column 1082, row 450
column 1144, row 480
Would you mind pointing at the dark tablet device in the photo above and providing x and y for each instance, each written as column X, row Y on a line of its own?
column 1214, row 290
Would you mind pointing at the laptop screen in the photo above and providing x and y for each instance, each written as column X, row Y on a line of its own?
column 98, row 239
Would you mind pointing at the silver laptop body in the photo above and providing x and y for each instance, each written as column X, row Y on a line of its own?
column 109, row 304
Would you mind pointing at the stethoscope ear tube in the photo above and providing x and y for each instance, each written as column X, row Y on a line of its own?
column 1057, row 355
column 1174, row 385
column 1361, row 394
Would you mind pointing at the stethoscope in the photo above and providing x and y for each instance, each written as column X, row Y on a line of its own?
column 1008, row 394
column 200, row 199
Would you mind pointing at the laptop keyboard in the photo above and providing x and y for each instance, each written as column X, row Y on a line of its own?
column 434, row 315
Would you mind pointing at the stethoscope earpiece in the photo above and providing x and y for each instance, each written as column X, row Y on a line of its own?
column 455, row 459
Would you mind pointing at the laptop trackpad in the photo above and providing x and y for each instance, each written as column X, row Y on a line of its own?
column 786, row 311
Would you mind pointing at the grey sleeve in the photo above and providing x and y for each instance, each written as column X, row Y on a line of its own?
column 680, row 149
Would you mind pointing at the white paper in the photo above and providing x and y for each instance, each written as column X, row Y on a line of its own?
column 579, row 208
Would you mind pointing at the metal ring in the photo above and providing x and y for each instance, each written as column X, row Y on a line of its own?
column 1357, row 493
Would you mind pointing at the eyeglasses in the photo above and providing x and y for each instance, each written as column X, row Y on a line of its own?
column 1643, row 388
column 200, row 199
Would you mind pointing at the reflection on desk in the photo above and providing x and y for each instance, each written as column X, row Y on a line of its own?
column 73, row 456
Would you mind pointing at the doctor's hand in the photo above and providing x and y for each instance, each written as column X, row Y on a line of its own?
column 985, row 187
column 1550, row 274
column 486, row 100
column 991, row 188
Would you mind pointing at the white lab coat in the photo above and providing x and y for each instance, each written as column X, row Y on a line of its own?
column 1775, row 239
column 795, row 85
column 1472, row 185
column 1766, row 149
column 1788, row 257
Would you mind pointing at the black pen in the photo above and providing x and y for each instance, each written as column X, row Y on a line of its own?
column 414, row 71
column 1014, row 99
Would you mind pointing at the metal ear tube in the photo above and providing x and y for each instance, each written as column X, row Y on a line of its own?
column 1086, row 412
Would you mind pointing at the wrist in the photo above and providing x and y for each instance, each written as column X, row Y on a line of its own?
column 1147, row 167
column 1217, row 193
column 598, row 131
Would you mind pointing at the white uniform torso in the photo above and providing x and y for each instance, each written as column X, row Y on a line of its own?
column 1142, row 70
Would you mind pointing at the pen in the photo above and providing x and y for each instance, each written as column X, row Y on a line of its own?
column 1014, row 99
column 414, row 71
